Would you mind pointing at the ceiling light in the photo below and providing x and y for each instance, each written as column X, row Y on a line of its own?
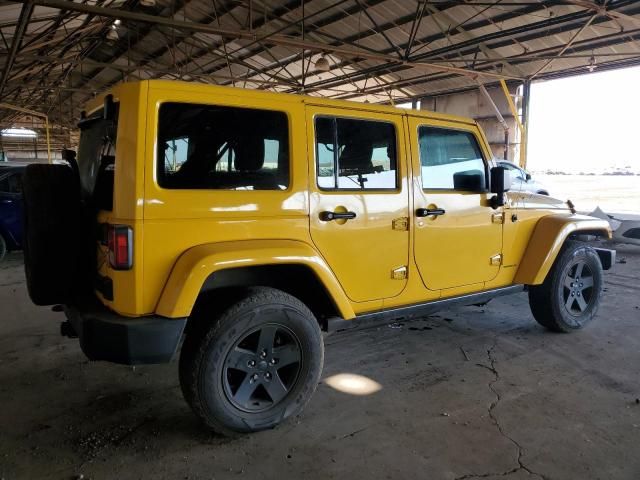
column 322, row 64
column 117, row 21
column 592, row 64
column 18, row 133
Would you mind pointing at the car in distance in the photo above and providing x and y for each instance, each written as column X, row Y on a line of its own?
column 10, row 206
column 247, row 222
column 521, row 180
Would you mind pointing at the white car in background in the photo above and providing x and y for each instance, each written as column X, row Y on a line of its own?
column 521, row 179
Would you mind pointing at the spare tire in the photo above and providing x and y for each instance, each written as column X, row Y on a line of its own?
column 53, row 231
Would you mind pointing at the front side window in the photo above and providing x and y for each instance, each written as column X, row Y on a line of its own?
column 353, row 154
column 222, row 148
column 451, row 159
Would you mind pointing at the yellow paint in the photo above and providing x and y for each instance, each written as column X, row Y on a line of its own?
column 196, row 264
column 367, row 247
column 454, row 249
column 548, row 236
column 182, row 237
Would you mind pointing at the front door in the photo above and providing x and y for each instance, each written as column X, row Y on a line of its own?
column 458, row 235
column 359, row 199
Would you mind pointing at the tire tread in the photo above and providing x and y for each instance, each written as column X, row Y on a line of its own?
column 195, row 346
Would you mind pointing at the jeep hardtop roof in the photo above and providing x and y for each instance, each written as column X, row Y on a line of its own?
column 205, row 89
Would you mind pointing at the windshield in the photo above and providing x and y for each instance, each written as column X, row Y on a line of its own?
column 96, row 154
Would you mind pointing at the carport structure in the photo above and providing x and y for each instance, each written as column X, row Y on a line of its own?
column 57, row 54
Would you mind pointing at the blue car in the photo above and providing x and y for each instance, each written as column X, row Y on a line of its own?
column 10, row 207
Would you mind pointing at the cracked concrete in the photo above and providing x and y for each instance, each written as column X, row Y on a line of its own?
column 541, row 405
column 492, row 414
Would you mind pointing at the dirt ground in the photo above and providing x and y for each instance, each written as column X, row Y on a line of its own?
column 467, row 393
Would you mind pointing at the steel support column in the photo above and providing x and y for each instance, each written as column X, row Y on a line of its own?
column 524, row 141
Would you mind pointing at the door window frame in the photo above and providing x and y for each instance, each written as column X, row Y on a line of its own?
column 483, row 155
column 398, row 185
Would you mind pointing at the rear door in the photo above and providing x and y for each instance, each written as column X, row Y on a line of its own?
column 458, row 235
column 359, row 202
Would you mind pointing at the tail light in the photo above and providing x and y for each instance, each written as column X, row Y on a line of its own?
column 120, row 242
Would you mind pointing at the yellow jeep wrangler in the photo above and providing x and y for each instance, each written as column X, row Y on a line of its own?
column 247, row 222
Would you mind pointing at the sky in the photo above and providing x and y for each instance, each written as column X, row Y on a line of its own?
column 589, row 123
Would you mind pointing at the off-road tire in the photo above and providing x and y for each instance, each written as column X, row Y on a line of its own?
column 555, row 303
column 3, row 247
column 52, row 232
column 207, row 360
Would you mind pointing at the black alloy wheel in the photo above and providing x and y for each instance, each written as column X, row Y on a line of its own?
column 570, row 295
column 262, row 367
column 253, row 363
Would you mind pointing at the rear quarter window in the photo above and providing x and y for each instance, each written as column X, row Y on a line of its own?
column 222, row 148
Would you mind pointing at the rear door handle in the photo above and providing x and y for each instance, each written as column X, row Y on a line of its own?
column 425, row 212
column 329, row 216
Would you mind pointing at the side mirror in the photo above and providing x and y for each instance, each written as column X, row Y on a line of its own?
column 528, row 176
column 500, row 183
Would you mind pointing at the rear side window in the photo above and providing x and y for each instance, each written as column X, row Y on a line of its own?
column 450, row 159
column 354, row 154
column 222, row 148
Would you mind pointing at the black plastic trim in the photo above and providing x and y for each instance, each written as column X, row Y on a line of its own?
column 418, row 310
column 607, row 257
column 105, row 335
column 104, row 285
column 329, row 216
column 425, row 212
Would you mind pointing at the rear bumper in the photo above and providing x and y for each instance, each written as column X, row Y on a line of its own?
column 105, row 335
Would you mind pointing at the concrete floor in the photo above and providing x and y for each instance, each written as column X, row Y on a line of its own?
column 525, row 404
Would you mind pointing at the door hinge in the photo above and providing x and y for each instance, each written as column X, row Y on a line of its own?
column 399, row 273
column 497, row 218
column 401, row 223
column 496, row 260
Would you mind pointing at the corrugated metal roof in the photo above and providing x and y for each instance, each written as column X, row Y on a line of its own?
column 376, row 48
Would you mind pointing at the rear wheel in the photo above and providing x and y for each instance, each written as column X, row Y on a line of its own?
column 570, row 296
column 254, row 365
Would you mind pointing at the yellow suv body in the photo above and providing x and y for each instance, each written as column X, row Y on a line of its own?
column 354, row 210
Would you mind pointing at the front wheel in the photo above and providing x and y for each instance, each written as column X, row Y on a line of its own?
column 570, row 296
column 253, row 366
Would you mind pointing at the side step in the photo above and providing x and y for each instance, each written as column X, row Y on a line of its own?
column 374, row 319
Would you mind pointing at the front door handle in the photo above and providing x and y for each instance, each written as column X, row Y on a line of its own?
column 7, row 201
column 328, row 216
column 426, row 212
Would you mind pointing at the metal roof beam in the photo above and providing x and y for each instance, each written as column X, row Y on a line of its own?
column 506, row 36
column 23, row 21
column 278, row 39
